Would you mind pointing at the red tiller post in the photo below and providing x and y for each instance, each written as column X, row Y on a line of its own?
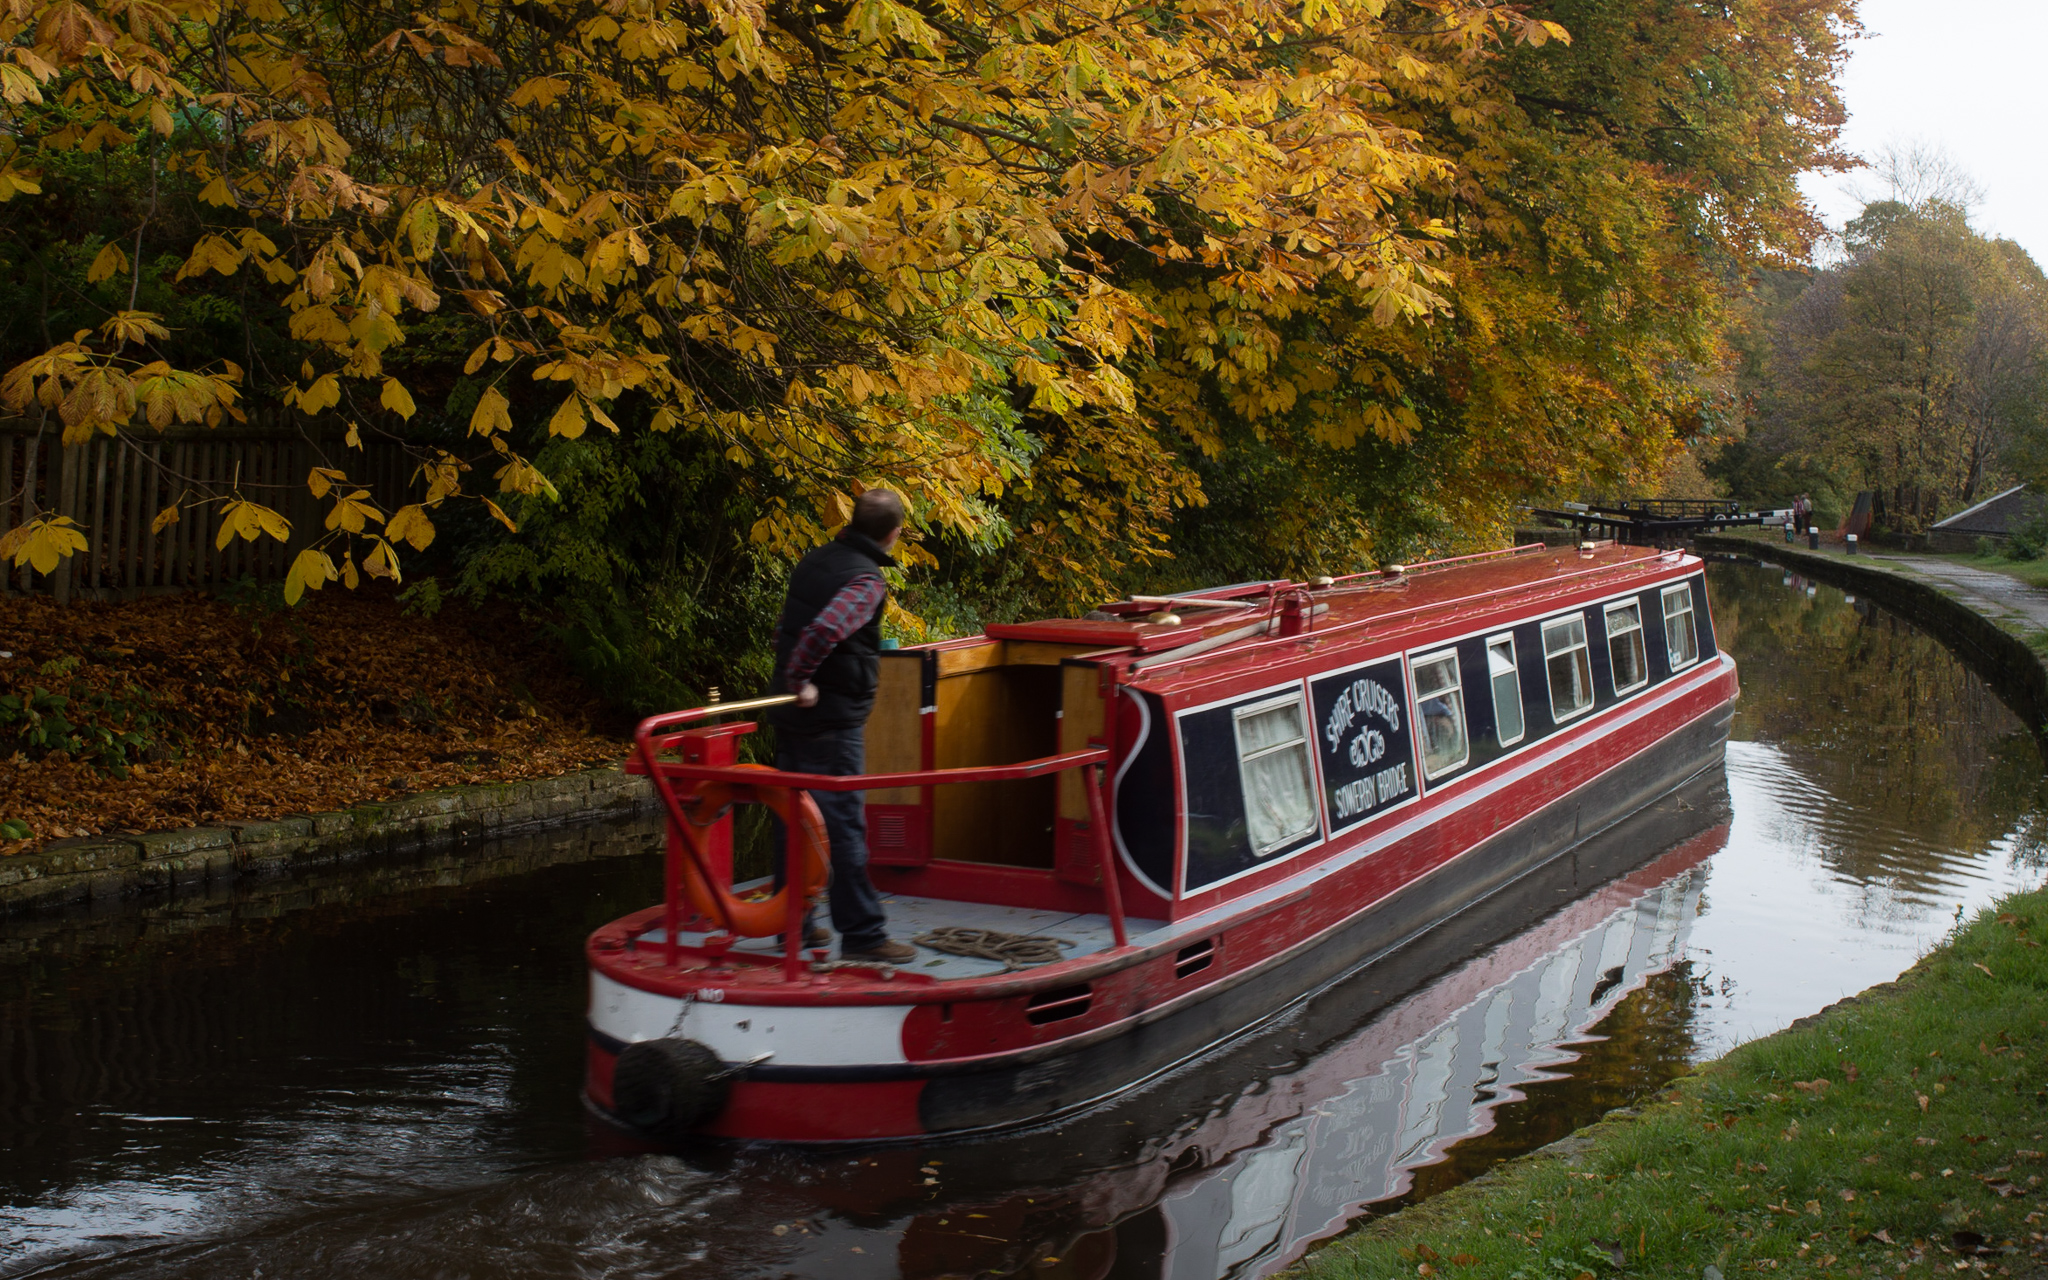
column 672, row 910
column 793, row 923
column 647, row 750
column 718, row 746
column 1112, row 892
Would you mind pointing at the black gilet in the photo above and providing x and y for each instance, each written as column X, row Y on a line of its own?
column 846, row 679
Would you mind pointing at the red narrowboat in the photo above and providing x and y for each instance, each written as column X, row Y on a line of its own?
column 1203, row 809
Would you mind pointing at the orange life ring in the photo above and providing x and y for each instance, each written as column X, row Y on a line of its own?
column 799, row 813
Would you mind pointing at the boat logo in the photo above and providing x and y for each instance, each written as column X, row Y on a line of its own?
column 1367, row 764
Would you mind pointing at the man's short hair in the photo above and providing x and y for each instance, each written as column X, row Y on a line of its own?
column 876, row 514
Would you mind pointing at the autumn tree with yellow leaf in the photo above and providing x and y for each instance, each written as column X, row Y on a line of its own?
column 650, row 287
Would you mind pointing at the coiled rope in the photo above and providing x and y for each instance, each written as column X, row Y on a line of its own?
column 1011, row 950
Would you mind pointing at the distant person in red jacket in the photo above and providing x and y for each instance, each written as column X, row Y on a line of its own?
column 827, row 652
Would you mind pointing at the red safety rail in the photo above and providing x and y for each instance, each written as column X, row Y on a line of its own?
column 655, row 736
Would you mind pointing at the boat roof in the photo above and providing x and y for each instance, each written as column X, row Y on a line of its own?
column 1407, row 596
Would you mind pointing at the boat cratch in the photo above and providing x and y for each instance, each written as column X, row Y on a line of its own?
column 1204, row 808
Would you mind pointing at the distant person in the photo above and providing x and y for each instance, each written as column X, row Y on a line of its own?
column 827, row 652
column 1802, row 512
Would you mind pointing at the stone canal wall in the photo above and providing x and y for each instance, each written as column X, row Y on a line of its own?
column 107, row 867
column 2001, row 652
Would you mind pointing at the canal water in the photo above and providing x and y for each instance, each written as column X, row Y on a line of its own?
column 375, row 1072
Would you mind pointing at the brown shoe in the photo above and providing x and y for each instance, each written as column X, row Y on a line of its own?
column 817, row 936
column 885, row 951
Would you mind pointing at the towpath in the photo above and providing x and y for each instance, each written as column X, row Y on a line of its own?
column 1987, row 591
column 2003, row 598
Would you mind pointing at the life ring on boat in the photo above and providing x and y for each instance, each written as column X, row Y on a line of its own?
column 799, row 813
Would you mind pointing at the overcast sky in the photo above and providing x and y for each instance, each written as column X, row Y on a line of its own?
column 1964, row 75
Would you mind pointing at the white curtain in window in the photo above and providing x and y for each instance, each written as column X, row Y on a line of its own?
column 1507, row 691
column 1680, row 640
column 1625, row 653
column 1570, row 670
column 1279, row 801
column 1440, row 707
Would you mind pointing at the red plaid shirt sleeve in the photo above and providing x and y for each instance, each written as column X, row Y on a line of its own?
column 845, row 614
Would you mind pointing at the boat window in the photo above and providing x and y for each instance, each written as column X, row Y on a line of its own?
column 1629, row 661
column 1507, row 690
column 1569, row 667
column 1440, row 711
column 1681, row 638
column 1272, row 756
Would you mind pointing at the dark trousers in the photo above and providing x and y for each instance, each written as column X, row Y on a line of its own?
column 856, row 907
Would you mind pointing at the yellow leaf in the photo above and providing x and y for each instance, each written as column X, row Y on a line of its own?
column 411, row 525
column 110, row 263
column 423, row 228
column 310, row 571
column 164, row 519
column 125, row 327
column 43, row 542
column 348, row 573
column 352, row 512
column 321, row 479
column 540, row 91
column 249, row 519
column 501, row 516
column 324, row 394
column 231, row 524
column 272, row 523
column 493, row 413
column 382, row 561
column 520, row 476
column 352, row 439
column 568, row 420
column 396, row 398
column 444, row 477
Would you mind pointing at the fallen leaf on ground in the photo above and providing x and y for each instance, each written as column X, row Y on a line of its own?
column 250, row 715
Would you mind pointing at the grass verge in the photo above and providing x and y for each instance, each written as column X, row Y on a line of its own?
column 1899, row 1132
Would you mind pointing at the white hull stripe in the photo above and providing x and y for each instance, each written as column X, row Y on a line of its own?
column 798, row 1035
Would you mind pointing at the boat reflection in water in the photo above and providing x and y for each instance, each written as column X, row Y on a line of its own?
column 1244, row 1189
column 1429, row 1073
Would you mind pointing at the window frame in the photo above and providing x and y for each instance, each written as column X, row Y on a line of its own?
column 1607, row 612
column 1457, row 686
column 1544, row 629
column 1515, row 665
column 1296, row 697
column 1692, row 624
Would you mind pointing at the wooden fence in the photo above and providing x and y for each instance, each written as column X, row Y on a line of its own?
column 114, row 488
